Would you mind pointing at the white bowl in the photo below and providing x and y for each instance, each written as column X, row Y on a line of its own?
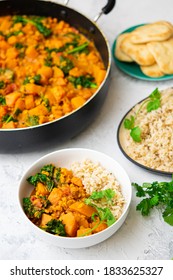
column 64, row 158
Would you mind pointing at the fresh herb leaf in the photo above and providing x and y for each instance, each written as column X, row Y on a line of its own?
column 43, row 178
column 140, row 192
column 8, row 118
column 74, row 43
column 2, row 100
column 26, row 80
column 107, row 194
column 33, row 120
column 17, row 112
column 48, row 61
column 155, row 94
column 73, row 35
column 129, row 123
column 46, row 103
column 105, row 213
column 2, row 84
column 152, row 103
column 135, row 133
column 168, row 216
column 28, row 207
column 18, row 45
column 36, row 79
column 156, row 194
column 57, row 174
column 55, row 227
column 79, row 49
column 48, row 168
column 15, row 33
column 144, row 206
column 65, row 64
column 84, row 81
column 30, row 210
column 36, row 21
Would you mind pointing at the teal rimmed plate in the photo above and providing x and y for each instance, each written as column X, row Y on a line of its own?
column 133, row 69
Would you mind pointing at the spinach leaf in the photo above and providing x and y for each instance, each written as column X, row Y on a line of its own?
column 55, row 227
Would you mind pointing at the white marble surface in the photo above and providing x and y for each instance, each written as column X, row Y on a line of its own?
column 139, row 238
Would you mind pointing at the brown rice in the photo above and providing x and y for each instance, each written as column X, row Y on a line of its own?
column 156, row 148
column 95, row 178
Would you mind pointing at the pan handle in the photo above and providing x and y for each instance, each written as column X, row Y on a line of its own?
column 106, row 9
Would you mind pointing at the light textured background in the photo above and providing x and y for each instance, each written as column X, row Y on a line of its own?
column 139, row 237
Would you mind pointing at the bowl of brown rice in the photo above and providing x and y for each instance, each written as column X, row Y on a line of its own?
column 154, row 151
column 107, row 190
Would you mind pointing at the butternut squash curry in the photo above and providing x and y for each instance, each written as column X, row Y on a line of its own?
column 47, row 70
column 60, row 205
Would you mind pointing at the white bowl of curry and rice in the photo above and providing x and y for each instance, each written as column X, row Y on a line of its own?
column 75, row 198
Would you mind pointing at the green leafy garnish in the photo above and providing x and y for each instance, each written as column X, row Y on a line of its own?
column 36, row 79
column 156, row 194
column 2, row 84
column 65, row 64
column 48, row 61
column 2, row 100
column 49, row 175
column 57, row 174
column 17, row 112
column 33, row 120
column 36, row 21
column 15, row 33
column 55, row 227
column 79, row 49
column 28, row 207
column 129, row 123
column 8, row 118
column 33, row 211
column 18, row 45
column 135, row 133
column 74, row 43
column 48, row 168
column 46, row 103
column 153, row 102
column 30, row 210
column 104, row 214
column 43, row 178
column 107, row 194
column 84, row 81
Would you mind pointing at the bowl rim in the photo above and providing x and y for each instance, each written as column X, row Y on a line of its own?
column 89, row 237
column 120, row 126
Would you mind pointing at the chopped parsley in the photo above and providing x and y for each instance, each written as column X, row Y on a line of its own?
column 153, row 102
column 156, row 194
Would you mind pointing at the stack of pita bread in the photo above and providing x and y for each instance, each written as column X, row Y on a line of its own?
column 150, row 46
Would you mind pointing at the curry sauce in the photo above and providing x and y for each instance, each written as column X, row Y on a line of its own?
column 47, row 70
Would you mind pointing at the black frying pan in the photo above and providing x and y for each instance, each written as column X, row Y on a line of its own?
column 72, row 124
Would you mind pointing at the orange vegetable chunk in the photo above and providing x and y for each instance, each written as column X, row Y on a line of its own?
column 70, row 224
column 45, row 218
column 82, row 208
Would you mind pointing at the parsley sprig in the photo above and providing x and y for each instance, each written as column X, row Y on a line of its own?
column 153, row 102
column 156, row 194
column 104, row 214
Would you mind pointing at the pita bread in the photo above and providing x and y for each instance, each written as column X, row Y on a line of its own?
column 118, row 52
column 158, row 31
column 139, row 53
column 152, row 71
column 163, row 54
